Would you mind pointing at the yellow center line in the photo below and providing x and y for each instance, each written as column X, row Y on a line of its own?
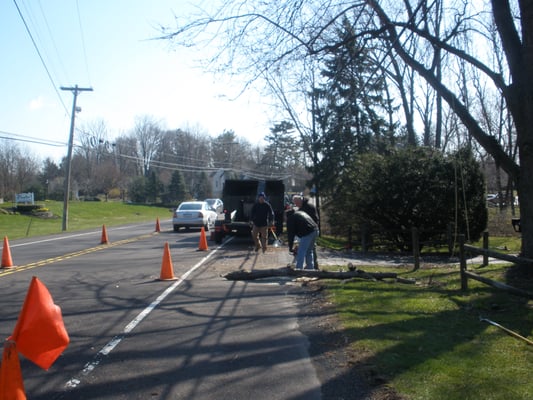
column 20, row 268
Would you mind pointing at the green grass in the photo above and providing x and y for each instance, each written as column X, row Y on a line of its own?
column 427, row 340
column 81, row 215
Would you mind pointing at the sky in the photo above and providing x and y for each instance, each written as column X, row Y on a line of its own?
column 108, row 45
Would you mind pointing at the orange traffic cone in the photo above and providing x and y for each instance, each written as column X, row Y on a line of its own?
column 167, row 271
column 104, row 236
column 203, row 240
column 11, row 384
column 7, row 262
column 157, row 225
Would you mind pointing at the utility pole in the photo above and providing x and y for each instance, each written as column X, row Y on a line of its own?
column 75, row 90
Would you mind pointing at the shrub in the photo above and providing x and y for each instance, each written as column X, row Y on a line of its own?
column 413, row 187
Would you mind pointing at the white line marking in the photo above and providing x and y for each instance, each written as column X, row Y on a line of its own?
column 90, row 366
column 75, row 235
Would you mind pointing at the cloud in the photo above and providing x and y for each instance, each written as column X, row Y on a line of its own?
column 37, row 104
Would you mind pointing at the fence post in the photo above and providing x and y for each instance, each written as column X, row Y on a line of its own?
column 449, row 237
column 416, row 247
column 364, row 245
column 485, row 247
column 462, row 257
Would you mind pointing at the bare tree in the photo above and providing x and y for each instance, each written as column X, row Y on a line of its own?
column 17, row 169
column 273, row 36
column 148, row 134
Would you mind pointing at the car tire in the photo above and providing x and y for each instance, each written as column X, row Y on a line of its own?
column 176, row 228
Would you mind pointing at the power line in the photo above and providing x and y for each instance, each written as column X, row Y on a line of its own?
column 40, row 56
column 83, row 41
column 30, row 139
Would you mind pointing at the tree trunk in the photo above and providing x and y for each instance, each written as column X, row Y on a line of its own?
column 285, row 271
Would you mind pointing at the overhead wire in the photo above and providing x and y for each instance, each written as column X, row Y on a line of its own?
column 40, row 56
column 83, row 43
column 51, row 36
column 30, row 139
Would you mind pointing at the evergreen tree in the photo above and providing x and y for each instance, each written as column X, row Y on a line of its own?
column 411, row 188
column 203, row 187
column 177, row 191
column 283, row 151
column 351, row 107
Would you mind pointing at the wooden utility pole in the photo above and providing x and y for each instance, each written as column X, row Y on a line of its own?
column 75, row 90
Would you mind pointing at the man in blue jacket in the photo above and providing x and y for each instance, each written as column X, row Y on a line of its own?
column 300, row 224
column 262, row 216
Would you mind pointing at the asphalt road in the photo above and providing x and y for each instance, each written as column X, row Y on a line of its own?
column 133, row 336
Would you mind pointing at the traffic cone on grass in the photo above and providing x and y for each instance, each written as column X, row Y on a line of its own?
column 167, row 271
column 157, row 225
column 104, row 236
column 203, row 240
column 7, row 262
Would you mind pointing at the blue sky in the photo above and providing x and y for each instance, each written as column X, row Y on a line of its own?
column 105, row 44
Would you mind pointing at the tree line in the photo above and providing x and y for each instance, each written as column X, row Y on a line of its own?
column 150, row 164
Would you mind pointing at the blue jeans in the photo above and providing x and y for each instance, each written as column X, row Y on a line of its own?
column 305, row 251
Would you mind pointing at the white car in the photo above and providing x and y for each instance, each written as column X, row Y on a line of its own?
column 215, row 204
column 194, row 214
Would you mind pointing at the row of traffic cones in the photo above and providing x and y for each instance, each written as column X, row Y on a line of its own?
column 166, row 268
column 44, row 353
column 105, row 239
column 7, row 260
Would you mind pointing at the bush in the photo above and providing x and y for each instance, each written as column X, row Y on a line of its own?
column 27, row 208
column 412, row 188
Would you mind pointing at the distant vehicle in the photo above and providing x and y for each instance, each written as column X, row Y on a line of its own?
column 215, row 204
column 194, row 214
column 495, row 200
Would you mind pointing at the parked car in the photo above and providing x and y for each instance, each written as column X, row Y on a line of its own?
column 215, row 204
column 194, row 214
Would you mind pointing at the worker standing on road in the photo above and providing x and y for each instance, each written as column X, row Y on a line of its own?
column 262, row 216
column 303, row 205
column 302, row 225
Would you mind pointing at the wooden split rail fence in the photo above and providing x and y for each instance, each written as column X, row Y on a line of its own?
column 486, row 253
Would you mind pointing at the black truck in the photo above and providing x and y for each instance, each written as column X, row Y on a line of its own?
column 239, row 197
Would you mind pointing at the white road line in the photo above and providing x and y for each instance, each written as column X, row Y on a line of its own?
column 75, row 235
column 90, row 366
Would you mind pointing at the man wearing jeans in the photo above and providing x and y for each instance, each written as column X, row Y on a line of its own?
column 303, row 205
column 262, row 216
column 302, row 225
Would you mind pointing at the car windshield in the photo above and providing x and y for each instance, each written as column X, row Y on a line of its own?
column 190, row 206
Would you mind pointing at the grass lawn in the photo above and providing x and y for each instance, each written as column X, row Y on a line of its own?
column 82, row 215
column 427, row 339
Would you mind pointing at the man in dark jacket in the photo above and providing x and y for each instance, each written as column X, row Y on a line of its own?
column 302, row 225
column 262, row 216
column 303, row 205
